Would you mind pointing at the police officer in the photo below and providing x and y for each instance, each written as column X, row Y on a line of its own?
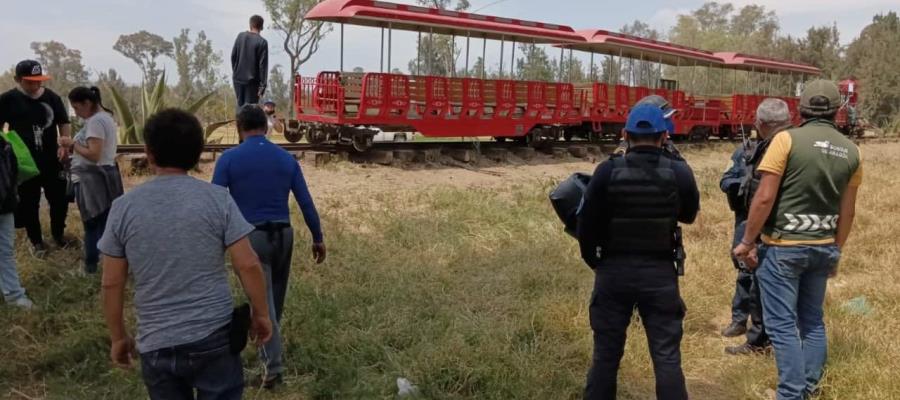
column 668, row 113
column 731, row 186
column 627, row 235
column 740, row 183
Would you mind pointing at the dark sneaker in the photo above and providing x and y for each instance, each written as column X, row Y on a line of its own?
column 269, row 383
column 65, row 242
column 90, row 269
column 735, row 329
column 746, row 349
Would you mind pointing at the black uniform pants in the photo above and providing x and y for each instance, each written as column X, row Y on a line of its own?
column 246, row 93
column 756, row 335
column 747, row 302
column 653, row 290
column 28, row 210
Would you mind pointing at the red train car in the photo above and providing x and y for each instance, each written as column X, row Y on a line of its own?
column 347, row 107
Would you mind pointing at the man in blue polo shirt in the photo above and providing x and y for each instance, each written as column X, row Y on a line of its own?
column 260, row 175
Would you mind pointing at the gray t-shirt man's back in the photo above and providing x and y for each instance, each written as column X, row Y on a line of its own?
column 174, row 231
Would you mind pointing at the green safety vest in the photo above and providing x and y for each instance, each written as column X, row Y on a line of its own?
column 820, row 165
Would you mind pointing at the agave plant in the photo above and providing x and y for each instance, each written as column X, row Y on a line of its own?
column 152, row 101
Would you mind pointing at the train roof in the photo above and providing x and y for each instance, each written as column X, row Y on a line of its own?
column 612, row 43
column 755, row 63
column 422, row 19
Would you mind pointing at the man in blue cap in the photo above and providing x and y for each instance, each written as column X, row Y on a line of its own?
column 627, row 232
column 668, row 114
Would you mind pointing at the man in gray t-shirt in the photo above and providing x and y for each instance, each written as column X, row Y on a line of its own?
column 170, row 235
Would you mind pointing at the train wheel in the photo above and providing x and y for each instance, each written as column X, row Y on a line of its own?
column 700, row 134
column 293, row 133
column 362, row 142
column 317, row 136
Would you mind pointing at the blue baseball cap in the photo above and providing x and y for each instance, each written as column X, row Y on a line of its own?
column 646, row 119
column 269, row 101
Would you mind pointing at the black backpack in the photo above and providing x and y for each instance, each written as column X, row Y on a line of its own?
column 9, row 171
column 566, row 200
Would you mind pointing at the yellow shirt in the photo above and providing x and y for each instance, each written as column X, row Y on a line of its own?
column 775, row 162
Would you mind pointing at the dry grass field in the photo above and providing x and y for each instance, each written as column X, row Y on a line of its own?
column 464, row 283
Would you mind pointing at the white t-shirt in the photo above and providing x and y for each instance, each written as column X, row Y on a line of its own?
column 101, row 126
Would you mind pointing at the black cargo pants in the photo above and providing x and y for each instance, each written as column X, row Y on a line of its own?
column 652, row 288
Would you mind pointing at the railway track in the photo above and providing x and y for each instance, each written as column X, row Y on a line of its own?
column 472, row 145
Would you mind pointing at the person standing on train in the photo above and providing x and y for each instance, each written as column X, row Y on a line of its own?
column 250, row 64
column 803, row 209
column 739, row 184
column 260, row 175
column 628, row 234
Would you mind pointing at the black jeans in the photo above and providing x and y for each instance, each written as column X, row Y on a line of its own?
column 28, row 210
column 246, row 93
column 653, row 290
column 206, row 365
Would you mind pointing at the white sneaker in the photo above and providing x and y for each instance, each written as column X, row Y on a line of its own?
column 24, row 303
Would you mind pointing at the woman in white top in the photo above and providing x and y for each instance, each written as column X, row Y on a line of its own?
column 93, row 152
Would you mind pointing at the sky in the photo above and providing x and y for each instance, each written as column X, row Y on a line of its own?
column 93, row 26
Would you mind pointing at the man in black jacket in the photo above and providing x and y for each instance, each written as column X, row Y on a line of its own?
column 39, row 116
column 250, row 64
column 626, row 232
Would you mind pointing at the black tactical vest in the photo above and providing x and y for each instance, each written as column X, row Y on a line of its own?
column 643, row 201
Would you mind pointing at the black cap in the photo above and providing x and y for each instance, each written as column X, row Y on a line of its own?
column 31, row 70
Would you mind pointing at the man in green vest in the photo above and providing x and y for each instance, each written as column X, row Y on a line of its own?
column 803, row 209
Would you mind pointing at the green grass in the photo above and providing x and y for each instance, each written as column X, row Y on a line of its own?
column 478, row 294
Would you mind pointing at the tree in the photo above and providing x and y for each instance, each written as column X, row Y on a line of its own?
column 535, row 65
column 280, row 88
column 7, row 81
column 643, row 73
column 822, row 48
column 437, row 54
column 144, row 48
column 873, row 59
column 301, row 37
column 197, row 65
column 717, row 26
column 63, row 64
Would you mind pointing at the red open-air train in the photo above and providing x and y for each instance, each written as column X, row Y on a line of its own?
column 350, row 107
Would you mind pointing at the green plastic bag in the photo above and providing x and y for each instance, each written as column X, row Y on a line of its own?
column 27, row 167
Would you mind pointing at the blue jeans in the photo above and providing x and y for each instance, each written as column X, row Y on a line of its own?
column 793, row 281
column 9, row 277
column 206, row 365
column 93, row 231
